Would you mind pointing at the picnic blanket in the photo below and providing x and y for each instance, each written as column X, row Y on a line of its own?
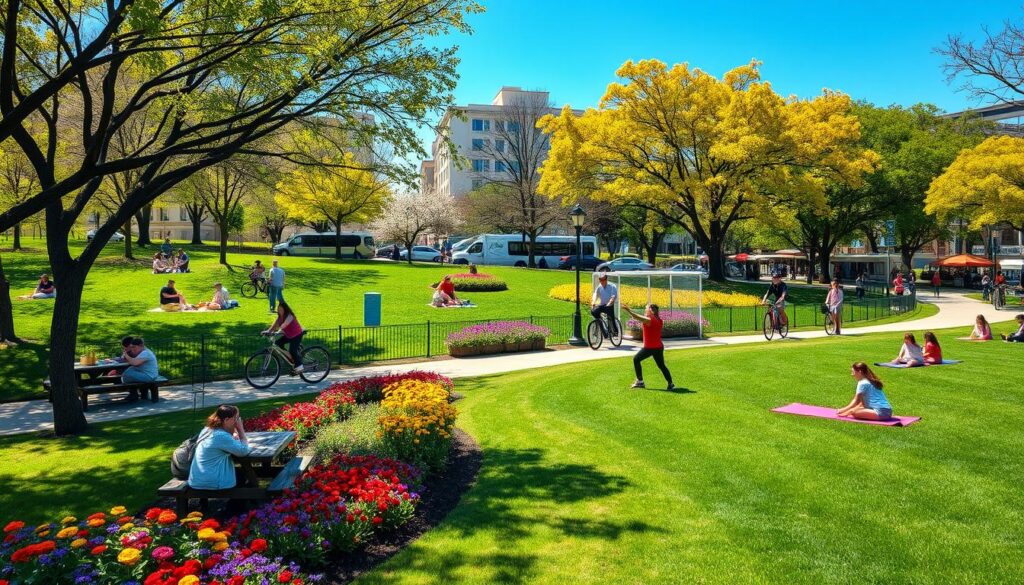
column 903, row 366
column 969, row 339
column 469, row 306
column 830, row 413
column 196, row 310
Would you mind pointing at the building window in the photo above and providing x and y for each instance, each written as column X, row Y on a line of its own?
column 183, row 213
column 479, row 144
column 477, row 183
column 513, row 127
column 499, row 145
column 481, row 125
column 481, row 165
column 500, row 167
column 164, row 215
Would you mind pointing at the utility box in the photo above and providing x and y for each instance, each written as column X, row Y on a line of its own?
column 371, row 309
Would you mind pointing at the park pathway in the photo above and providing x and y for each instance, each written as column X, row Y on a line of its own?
column 23, row 417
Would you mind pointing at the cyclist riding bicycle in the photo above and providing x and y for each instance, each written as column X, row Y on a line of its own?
column 779, row 290
column 603, row 300
column 291, row 333
column 258, row 273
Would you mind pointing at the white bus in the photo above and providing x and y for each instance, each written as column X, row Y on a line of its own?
column 511, row 250
column 353, row 245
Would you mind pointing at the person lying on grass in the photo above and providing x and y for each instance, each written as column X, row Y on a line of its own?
column 911, row 354
column 869, row 402
column 932, row 350
column 982, row 331
column 45, row 289
column 1017, row 336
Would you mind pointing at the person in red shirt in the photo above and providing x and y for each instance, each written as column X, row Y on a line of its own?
column 448, row 287
column 932, row 350
column 936, row 282
column 651, row 325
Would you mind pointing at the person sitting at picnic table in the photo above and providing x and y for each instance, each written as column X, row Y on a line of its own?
column 142, row 366
column 932, row 350
column 911, row 354
column 834, row 302
column 222, row 437
column 181, row 261
column 159, row 265
column 982, row 330
column 166, row 248
column 1017, row 336
column 45, row 289
column 171, row 299
column 869, row 402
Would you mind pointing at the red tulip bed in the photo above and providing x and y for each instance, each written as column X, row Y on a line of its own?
column 335, row 508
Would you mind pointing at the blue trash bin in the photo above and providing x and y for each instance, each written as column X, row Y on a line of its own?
column 371, row 309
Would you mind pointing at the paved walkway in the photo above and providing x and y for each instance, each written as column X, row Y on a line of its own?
column 23, row 417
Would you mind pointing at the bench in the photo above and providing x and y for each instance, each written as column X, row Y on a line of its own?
column 182, row 492
column 141, row 388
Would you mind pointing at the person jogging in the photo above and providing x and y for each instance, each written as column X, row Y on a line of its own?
column 651, row 325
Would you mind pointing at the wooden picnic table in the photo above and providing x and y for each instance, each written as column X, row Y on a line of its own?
column 266, row 446
column 93, row 379
column 91, row 375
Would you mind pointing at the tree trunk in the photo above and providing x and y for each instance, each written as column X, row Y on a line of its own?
column 826, row 275
column 408, row 251
column 17, row 237
column 68, row 418
column 197, row 223
column 274, row 233
column 128, row 239
column 142, row 220
column 812, row 257
column 716, row 257
column 337, row 241
column 224, row 244
column 6, row 310
column 907, row 256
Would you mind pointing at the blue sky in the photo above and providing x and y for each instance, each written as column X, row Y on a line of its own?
column 874, row 50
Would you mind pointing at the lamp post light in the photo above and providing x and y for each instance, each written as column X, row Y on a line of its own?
column 577, row 216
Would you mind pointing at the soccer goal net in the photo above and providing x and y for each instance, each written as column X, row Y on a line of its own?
column 678, row 295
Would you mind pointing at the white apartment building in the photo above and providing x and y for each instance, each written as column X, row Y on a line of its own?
column 468, row 128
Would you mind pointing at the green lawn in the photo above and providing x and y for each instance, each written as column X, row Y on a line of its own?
column 584, row 481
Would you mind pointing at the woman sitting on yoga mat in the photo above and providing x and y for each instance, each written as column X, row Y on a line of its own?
column 932, row 350
column 982, row 331
column 869, row 402
column 911, row 353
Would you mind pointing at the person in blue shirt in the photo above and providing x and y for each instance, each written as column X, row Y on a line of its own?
column 869, row 402
column 275, row 287
column 142, row 363
column 222, row 437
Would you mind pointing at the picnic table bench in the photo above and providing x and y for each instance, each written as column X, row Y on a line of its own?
column 94, row 380
column 266, row 447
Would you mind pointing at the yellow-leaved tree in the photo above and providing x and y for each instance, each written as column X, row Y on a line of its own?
column 703, row 152
column 340, row 192
column 985, row 184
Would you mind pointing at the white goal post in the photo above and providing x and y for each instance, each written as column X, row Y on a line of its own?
column 654, row 280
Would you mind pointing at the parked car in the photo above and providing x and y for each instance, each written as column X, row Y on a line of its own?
column 690, row 268
column 117, row 237
column 387, row 251
column 622, row 264
column 422, row 254
column 588, row 262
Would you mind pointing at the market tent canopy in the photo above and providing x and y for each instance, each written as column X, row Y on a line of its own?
column 963, row 261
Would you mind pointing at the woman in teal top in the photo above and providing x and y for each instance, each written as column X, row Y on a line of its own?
column 869, row 402
column 223, row 436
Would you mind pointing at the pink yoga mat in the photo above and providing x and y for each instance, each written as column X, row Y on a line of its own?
column 822, row 412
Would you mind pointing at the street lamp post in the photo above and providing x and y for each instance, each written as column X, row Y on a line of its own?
column 577, row 216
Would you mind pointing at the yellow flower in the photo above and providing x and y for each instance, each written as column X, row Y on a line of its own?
column 129, row 556
column 127, row 527
column 43, row 534
column 69, row 520
column 220, row 537
column 118, row 510
column 196, row 514
column 636, row 296
column 42, row 528
column 188, row 580
column 79, row 543
column 220, row 546
column 206, row 534
column 67, row 532
column 97, row 522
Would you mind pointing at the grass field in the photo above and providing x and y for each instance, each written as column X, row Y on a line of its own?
column 325, row 293
column 584, row 481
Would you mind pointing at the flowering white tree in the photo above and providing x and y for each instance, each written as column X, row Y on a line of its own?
column 411, row 214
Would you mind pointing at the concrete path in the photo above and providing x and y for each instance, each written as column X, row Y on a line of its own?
column 24, row 417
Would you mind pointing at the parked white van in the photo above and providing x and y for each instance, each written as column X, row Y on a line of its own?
column 353, row 245
column 511, row 250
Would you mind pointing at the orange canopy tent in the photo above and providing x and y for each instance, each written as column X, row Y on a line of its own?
column 963, row 261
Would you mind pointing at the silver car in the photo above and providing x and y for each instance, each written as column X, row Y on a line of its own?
column 624, row 264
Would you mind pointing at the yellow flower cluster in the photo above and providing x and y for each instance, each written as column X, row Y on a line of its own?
column 636, row 296
column 413, row 411
column 409, row 391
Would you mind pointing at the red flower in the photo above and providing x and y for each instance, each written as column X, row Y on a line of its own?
column 97, row 516
column 153, row 513
column 377, row 519
column 98, row 550
column 284, row 577
column 236, row 580
column 258, row 545
column 14, row 526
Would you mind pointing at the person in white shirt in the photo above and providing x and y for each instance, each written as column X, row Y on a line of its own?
column 603, row 299
column 221, row 297
column 911, row 354
column 834, row 301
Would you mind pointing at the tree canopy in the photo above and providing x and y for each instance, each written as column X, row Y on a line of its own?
column 985, row 184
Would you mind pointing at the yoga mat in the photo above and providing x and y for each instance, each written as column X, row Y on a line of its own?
column 453, row 306
column 904, row 366
column 969, row 339
column 830, row 413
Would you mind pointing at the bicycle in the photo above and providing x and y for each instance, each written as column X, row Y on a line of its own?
column 830, row 324
column 772, row 323
column 264, row 367
column 251, row 288
column 999, row 296
column 598, row 330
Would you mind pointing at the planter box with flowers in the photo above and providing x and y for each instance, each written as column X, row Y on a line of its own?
column 478, row 282
column 497, row 337
column 676, row 324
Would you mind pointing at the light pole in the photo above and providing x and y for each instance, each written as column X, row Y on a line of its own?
column 577, row 216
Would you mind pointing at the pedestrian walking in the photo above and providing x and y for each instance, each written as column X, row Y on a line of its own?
column 275, row 287
column 936, row 283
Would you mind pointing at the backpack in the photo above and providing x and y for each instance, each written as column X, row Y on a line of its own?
column 181, row 459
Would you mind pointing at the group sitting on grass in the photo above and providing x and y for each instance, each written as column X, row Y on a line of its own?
column 444, row 294
column 45, row 289
column 913, row 355
column 172, row 301
column 165, row 263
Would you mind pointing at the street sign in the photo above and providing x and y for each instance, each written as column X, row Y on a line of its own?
column 889, row 240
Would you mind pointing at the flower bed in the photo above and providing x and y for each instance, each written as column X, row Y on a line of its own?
column 636, row 296
column 496, row 337
column 334, row 508
column 479, row 282
column 676, row 324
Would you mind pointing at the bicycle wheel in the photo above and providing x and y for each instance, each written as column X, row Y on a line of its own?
column 616, row 333
column 262, row 369
column 316, row 364
column 783, row 329
column 830, row 325
column 766, row 326
column 248, row 290
column 594, row 334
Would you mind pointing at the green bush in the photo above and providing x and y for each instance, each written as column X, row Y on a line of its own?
column 479, row 282
column 355, row 436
